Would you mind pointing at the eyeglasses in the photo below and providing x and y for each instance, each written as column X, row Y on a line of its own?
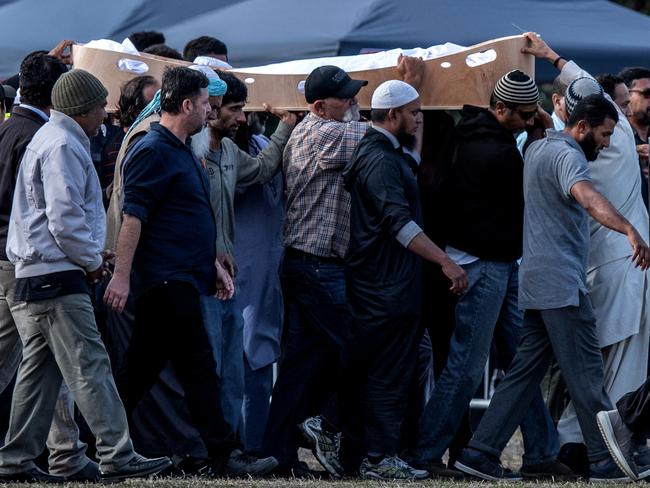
column 644, row 93
column 524, row 114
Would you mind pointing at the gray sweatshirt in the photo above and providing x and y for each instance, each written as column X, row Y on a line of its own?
column 230, row 167
column 57, row 219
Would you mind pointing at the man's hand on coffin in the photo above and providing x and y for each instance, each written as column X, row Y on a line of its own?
column 538, row 48
column 63, row 51
column 411, row 70
column 285, row 116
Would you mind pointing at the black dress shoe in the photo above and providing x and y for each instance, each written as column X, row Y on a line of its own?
column 33, row 475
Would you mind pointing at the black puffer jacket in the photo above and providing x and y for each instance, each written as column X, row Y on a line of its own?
column 484, row 189
column 15, row 135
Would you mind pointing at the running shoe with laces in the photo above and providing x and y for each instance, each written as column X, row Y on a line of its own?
column 390, row 468
column 618, row 438
column 242, row 464
column 480, row 465
column 324, row 445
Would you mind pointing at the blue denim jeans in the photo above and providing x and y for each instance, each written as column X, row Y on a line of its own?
column 317, row 322
column 257, row 403
column 487, row 311
column 225, row 326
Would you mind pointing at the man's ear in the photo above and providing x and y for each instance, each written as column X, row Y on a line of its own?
column 319, row 107
column 187, row 105
column 583, row 127
column 500, row 108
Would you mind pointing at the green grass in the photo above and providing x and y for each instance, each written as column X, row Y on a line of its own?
column 284, row 483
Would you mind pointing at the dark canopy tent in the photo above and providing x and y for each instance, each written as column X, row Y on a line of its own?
column 599, row 35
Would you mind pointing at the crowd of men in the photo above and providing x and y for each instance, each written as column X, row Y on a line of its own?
column 155, row 265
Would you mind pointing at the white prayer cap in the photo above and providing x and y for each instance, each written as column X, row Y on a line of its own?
column 212, row 62
column 393, row 94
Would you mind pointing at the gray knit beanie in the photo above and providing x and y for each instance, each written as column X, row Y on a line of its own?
column 579, row 89
column 76, row 92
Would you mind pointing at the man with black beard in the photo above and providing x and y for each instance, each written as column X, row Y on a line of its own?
column 559, row 319
column 386, row 244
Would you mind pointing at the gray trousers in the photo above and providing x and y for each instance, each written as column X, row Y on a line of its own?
column 61, row 343
column 67, row 452
column 570, row 334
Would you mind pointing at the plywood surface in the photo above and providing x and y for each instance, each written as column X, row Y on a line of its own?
column 448, row 81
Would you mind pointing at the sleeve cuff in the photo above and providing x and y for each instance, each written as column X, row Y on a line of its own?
column 136, row 211
column 407, row 233
column 96, row 264
column 283, row 132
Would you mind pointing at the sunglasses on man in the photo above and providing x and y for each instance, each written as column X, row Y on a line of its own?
column 644, row 93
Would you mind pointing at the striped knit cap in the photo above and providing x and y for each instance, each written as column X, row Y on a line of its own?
column 76, row 92
column 579, row 89
column 517, row 88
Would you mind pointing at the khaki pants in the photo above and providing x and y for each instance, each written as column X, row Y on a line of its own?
column 61, row 342
column 67, row 452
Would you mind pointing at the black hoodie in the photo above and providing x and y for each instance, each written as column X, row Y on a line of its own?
column 484, row 189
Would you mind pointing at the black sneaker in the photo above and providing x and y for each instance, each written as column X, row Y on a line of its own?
column 34, row 475
column 618, row 439
column 552, row 470
column 574, row 455
column 438, row 469
column 480, row 465
column 138, row 467
column 299, row 470
column 241, row 464
column 607, row 472
column 90, row 472
column 324, row 445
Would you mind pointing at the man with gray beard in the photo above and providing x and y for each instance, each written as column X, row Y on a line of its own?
column 316, row 235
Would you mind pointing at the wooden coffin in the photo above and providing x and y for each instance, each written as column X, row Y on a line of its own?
column 448, row 82
column 104, row 65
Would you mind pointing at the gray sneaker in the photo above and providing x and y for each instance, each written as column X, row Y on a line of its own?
column 618, row 438
column 241, row 464
column 138, row 467
column 324, row 445
column 390, row 468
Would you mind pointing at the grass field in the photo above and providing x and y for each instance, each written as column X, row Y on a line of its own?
column 511, row 458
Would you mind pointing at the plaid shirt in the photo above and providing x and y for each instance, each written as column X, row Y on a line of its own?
column 318, row 207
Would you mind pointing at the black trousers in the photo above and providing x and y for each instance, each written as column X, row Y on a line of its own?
column 634, row 408
column 169, row 327
column 380, row 372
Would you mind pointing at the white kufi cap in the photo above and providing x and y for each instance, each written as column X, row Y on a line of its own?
column 393, row 94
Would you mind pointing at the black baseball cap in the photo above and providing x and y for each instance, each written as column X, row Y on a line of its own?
column 331, row 81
